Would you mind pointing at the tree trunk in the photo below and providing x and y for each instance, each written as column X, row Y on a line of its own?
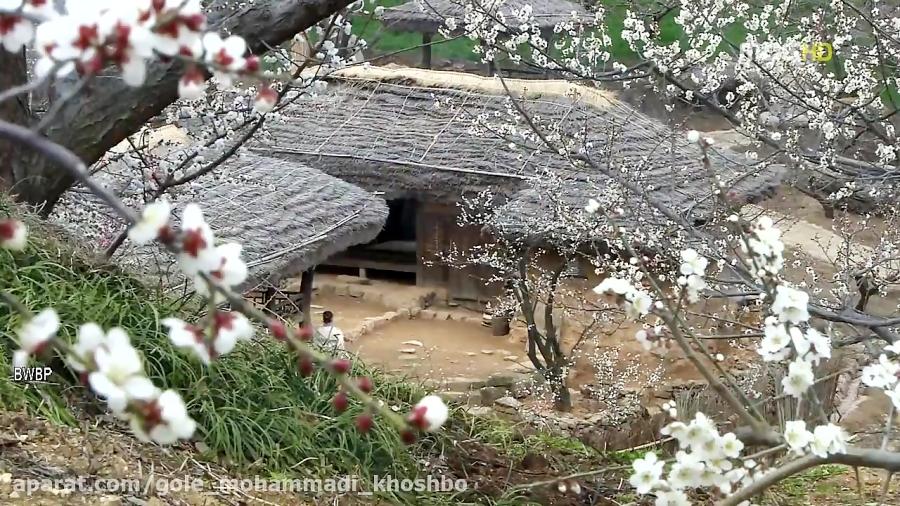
column 562, row 399
column 108, row 111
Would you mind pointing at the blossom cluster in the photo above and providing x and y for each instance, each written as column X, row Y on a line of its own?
column 634, row 301
column 885, row 374
column 705, row 458
column 129, row 34
column 107, row 361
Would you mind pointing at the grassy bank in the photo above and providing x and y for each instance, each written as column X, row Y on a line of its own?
column 251, row 407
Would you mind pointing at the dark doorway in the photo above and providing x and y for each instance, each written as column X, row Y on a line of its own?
column 393, row 250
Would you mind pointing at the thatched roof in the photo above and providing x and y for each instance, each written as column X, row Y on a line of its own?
column 428, row 15
column 441, row 135
column 287, row 216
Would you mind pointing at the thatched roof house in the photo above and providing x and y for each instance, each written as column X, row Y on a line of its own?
column 434, row 137
column 428, row 16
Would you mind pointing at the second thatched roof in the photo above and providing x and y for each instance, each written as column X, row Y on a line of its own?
column 429, row 15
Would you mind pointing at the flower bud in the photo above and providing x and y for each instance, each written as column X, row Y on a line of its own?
column 364, row 383
column 364, row 423
column 340, row 401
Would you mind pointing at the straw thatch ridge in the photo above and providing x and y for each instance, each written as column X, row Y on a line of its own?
column 428, row 16
column 287, row 216
column 441, row 143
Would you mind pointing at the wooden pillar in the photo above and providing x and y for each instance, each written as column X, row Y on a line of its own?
column 426, row 50
column 306, row 286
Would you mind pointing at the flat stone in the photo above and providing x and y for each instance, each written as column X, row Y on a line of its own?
column 414, row 343
column 511, row 358
column 508, row 404
column 487, row 352
column 408, row 350
column 408, row 357
column 471, row 353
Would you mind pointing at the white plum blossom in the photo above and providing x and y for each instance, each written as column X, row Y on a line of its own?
column 13, row 235
column 230, row 327
column 90, row 337
column 198, row 253
column 189, row 337
column 765, row 244
column 799, row 378
column 192, row 84
column 882, row 374
column 671, row 498
column 592, row 206
column 731, row 445
column 265, row 100
column 693, row 263
column 893, row 348
column 15, row 31
column 163, row 418
column 796, row 436
column 774, row 344
column 154, row 220
column 119, row 376
column 790, row 305
column 693, row 136
column 34, row 335
column 229, row 271
column 647, row 471
column 686, row 472
column 828, row 439
column 429, row 413
column 616, row 285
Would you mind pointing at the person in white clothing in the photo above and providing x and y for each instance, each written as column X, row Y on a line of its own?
column 328, row 336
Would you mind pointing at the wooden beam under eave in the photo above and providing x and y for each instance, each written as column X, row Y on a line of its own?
column 306, row 286
column 426, row 50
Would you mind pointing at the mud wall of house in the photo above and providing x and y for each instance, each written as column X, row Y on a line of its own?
column 436, row 232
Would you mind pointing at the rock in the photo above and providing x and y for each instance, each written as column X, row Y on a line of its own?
column 414, row 312
column 487, row 352
column 414, row 343
column 511, row 358
column 471, row 353
column 462, row 383
column 390, row 316
column 479, row 410
column 408, row 357
column 491, row 394
column 500, row 380
column 457, row 397
column 408, row 350
column 426, row 314
column 507, row 404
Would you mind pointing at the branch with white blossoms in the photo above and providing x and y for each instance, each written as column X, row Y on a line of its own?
column 215, row 269
column 128, row 34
